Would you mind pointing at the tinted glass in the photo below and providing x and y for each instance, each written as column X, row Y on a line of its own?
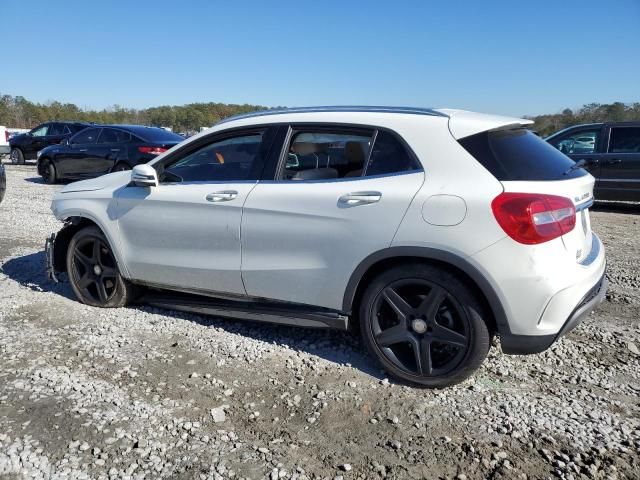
column 582, row 141
column 153, row 134
column 40, row 131
column 624, row 140
column 110, row 135
column 389, row 156
column 76, row 128
column 86, row 136
column 519, row 155
column 325, row 155
column 226, row 160
column 56, row 129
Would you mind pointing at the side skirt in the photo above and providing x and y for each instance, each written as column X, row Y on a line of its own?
column 268, row 312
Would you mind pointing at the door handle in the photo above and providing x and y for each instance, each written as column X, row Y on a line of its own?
column 359, row 198
column 82, row 150
column 115, row 149
column 613, row 161
column 223, row 196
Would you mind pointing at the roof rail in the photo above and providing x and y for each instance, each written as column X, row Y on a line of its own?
column 335, row 108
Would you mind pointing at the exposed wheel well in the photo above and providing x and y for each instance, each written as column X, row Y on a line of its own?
column 386, row 263
column 63, row 237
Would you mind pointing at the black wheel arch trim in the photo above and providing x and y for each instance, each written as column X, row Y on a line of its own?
column 427, row 253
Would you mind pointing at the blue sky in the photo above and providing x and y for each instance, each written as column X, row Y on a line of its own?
column 509, row 57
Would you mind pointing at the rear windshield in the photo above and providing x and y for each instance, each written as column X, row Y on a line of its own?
column 519, row 154
column 160, row 135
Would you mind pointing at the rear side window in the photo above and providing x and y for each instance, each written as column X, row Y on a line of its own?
column 326, row 154
column 110, row 135
column 389, row 156
column 519, row 154
column 625, row 140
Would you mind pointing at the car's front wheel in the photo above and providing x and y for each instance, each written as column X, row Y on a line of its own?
column 48, row 172
column 16, row 156
column 424, row 325
column 93, row 271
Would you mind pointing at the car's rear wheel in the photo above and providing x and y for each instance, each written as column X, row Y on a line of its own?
column 93, row 271
column 48, row 172
column 424, row 325
column 16, row 156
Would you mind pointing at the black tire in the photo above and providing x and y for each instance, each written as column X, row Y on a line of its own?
column 121, row 167
column 424, row 325
column 90, row 264
column 48, row 172
column 16, row 156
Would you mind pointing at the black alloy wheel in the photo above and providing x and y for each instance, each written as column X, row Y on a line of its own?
column 424, row 325
column 48, row 172
column 420, row 327
column 93, row 271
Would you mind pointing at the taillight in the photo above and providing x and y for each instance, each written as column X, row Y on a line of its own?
column 6, row 135
column 152, row 150
column 532, row 218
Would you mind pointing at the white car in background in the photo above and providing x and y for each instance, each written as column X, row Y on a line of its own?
column 430, row 231
column 4, row 141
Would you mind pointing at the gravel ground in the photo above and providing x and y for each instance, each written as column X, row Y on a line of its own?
column 149, row 393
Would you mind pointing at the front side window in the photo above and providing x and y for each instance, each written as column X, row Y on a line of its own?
column 40, row 131
column 230, row 159
column 56, row 129
column 389, row 156
column 624, row 140
column 582, row 141
column 325, row 155
column 90, row 135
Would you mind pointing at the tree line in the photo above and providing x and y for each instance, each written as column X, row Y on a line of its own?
column 590, row 113
column 18, row 112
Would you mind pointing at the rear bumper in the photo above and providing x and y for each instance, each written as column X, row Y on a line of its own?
column 528, row 344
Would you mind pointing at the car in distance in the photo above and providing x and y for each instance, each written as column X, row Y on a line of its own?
column 25, row 146
column 3, row 181
column 611, row 153
column 101, row 149
column 4, row 141
column 430, row 231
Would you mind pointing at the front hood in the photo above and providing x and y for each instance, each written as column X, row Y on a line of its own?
column 111, row 180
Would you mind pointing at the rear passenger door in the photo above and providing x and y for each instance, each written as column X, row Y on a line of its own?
column 110, row 147
column 620, row 165
column 337, row 195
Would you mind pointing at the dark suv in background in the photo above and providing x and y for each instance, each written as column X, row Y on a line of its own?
column 102, row 149
column 26, row 146
column 610, row 152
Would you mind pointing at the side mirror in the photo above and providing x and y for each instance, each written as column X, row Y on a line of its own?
column 144, row 176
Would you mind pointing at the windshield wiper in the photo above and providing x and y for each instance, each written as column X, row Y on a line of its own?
column 579, row 164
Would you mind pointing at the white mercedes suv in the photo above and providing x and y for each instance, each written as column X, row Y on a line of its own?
column 430, row 231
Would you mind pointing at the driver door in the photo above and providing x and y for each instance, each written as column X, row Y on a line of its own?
column 184, row 234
